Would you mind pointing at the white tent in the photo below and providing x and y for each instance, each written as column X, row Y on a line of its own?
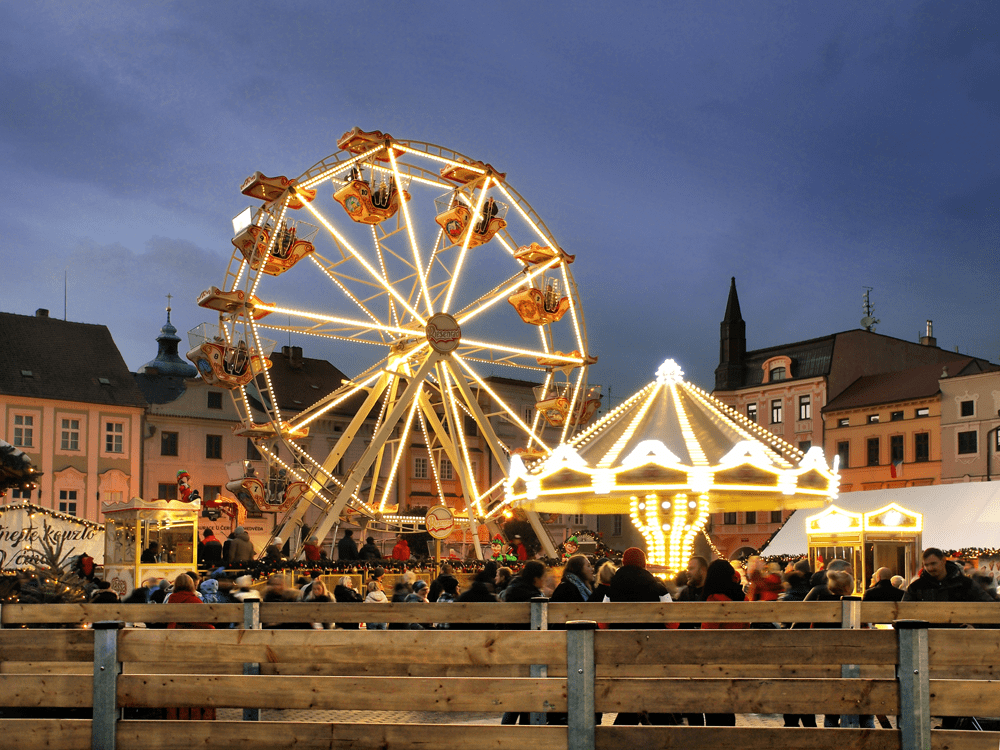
column 956, row 516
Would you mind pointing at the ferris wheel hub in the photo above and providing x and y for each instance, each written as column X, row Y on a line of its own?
column 443, row 333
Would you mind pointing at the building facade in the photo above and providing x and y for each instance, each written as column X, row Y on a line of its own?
column 69, row 402
column 970, row 427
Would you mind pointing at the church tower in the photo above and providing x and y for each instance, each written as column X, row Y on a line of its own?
column 732, row 345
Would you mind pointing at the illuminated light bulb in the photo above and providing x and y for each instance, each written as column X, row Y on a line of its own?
column 666, row 527
column 642, row 506
column 665, row 505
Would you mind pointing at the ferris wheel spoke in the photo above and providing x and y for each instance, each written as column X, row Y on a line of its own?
column 511, row 414
column 476, row 214
column 493, row 346
column 364, row 263
column 414, row 247
column 464, row 466
column 572, row 311
column 400, row 449
column 430, row 446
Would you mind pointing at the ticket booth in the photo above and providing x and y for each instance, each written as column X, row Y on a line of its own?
column 889, row 537
column 131, row 526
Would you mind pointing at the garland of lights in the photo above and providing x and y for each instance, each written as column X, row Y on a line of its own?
column 39, row 510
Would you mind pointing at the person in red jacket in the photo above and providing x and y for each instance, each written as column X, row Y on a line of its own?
column 184, row 593
column 312, row 549
column 765, row 581
column 402, row 549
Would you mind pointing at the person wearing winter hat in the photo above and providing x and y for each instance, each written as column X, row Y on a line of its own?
column 633, row 583
column 273, row 554
column 243, row 591
column 312, row 550
column 238, row 548
column 370, row 551
column 210, row 592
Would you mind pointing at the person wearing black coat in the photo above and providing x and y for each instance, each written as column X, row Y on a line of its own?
column 369, row 551
column 344, row 592
column 633, row 583
column 882, row 589
column 347, row 548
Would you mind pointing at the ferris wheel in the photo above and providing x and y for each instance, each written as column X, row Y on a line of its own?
column 431, row 272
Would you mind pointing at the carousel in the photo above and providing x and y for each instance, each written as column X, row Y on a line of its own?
column 669, row 456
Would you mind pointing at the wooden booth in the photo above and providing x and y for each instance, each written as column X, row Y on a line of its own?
column 890, row 537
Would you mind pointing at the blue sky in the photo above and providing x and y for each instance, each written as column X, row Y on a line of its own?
column 809, row 149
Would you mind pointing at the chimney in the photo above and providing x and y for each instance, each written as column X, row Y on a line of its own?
column 295, row 358
column 928, row 338
column 41, row 312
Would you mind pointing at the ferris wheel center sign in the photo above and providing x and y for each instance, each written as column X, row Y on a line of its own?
column 440, row 522
column 443, row 333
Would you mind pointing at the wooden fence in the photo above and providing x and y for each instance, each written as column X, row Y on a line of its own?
column 563, row 665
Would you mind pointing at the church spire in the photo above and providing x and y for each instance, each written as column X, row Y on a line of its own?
column 167, row 361
column 732, row 344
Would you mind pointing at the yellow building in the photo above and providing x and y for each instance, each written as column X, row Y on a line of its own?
column 886, row 428
column 68, row 400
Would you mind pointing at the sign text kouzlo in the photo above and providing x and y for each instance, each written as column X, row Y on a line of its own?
column 22, row 533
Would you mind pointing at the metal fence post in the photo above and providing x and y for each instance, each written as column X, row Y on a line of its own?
column 106, row 671
column 251, row 621
column 580, row 674
column 539, row 621
column 850, row 618
column 913, row 675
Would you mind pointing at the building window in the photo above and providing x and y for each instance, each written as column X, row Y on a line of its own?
column 922, row 412
column 805, row 445
column 529, row 414
column 729, row 519
column 578, row 519
column 70, row 434
column 214, row 400
column 967, row 408
column 896, row 416
column 873, row 419
column 873, row 451
column 213, row 446
column 20, row 494
column 67, row 502
column 166, row 491
column 24, row 431
column 211, row 491
column 776, row 516
column 113, row 437
column 253, row 454
column 616, row 525
column 896, row 448
column 751, row 516
column 844, row 422
column 419, row 467
column 844, row 453
column 967, row 442
column 805, row 407
column 470, row 426
column 776, row 411
column 922, row 446
column 168, row 443
column 752, row 412
column 447, row 471
column 777, row 373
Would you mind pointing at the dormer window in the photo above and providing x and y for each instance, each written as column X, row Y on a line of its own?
column 777, row 373
column 104, row 381
column 27, row 374
column 777, row 368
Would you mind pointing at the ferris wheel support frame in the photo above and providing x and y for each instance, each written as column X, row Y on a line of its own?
column 332, row 512
column 292, row 518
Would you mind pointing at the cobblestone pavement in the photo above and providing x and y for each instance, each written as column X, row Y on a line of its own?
column 429, row 717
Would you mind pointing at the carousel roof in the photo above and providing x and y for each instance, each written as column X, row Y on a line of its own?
column 672, row 437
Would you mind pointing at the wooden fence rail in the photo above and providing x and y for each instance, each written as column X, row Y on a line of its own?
column 574, row 669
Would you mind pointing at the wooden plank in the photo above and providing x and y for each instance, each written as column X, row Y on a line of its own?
column 952, row 646
column 975, row 613
column 746, row 696
column 470, row 694
column 712, row 738
column 961, row 697
column 649, row 612
column 956, row 739
column 268, row 735
column 42, row 667
column 761, row 671
column 46, row 645
column 58, row 690
column 378, row 669
column 469, row 647
column 77, row 614
column 805, row 647
column 484, row 613
column 35, row 734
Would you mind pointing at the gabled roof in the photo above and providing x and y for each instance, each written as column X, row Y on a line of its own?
column 55, row 359
column 299, row 382
column 904, row 385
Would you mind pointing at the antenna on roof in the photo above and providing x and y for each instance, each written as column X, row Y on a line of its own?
column 868, row 322
column 65, row 291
